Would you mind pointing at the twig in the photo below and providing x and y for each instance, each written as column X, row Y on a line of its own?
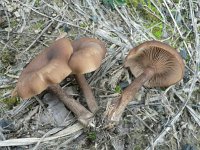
column 197, row 39
column 27, row 141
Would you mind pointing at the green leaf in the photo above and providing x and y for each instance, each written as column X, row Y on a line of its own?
column 157, row 31
column 92, row 135
column 118, row 89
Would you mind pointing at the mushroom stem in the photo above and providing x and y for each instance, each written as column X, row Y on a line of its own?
column 117, row 108
column 87, row 91
column 84, row 116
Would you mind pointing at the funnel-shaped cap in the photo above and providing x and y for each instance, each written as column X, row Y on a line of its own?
column 166, row 62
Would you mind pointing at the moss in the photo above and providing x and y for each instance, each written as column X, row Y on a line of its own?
column 175, row 1
column 150, row 17
column 13, row 23
column 190, row 37
column 11, row 102
column 137, row 147
column 91, row 136
column 157, row 31
column 83, row 25
column 140, row 6
column 118, row 89
column 38, row 25
column 37, row 3
column 7, row 57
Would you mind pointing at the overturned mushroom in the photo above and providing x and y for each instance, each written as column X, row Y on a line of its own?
column 87, row 57
column 48, row 69
column 154, row 64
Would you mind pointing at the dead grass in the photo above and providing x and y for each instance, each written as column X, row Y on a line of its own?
column 157, row 118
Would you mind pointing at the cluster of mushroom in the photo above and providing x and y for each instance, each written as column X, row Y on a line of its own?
column 54, row 64
column 153, row 63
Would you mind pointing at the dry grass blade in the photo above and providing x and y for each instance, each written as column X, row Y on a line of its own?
column 194, row 114
column 159, row 116
column 27, row 141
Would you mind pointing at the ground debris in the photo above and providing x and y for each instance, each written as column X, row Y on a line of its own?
column 158, row 118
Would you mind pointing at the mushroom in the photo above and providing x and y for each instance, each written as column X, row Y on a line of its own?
column 154, row 64
column 87, row 57
column 45, row 71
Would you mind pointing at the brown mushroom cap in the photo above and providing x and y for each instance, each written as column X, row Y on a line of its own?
column 166, row 62
column 49, row 67
column 87, row 56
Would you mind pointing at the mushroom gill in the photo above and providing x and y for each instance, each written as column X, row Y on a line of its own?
column 154, row 64
column 166, row 68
